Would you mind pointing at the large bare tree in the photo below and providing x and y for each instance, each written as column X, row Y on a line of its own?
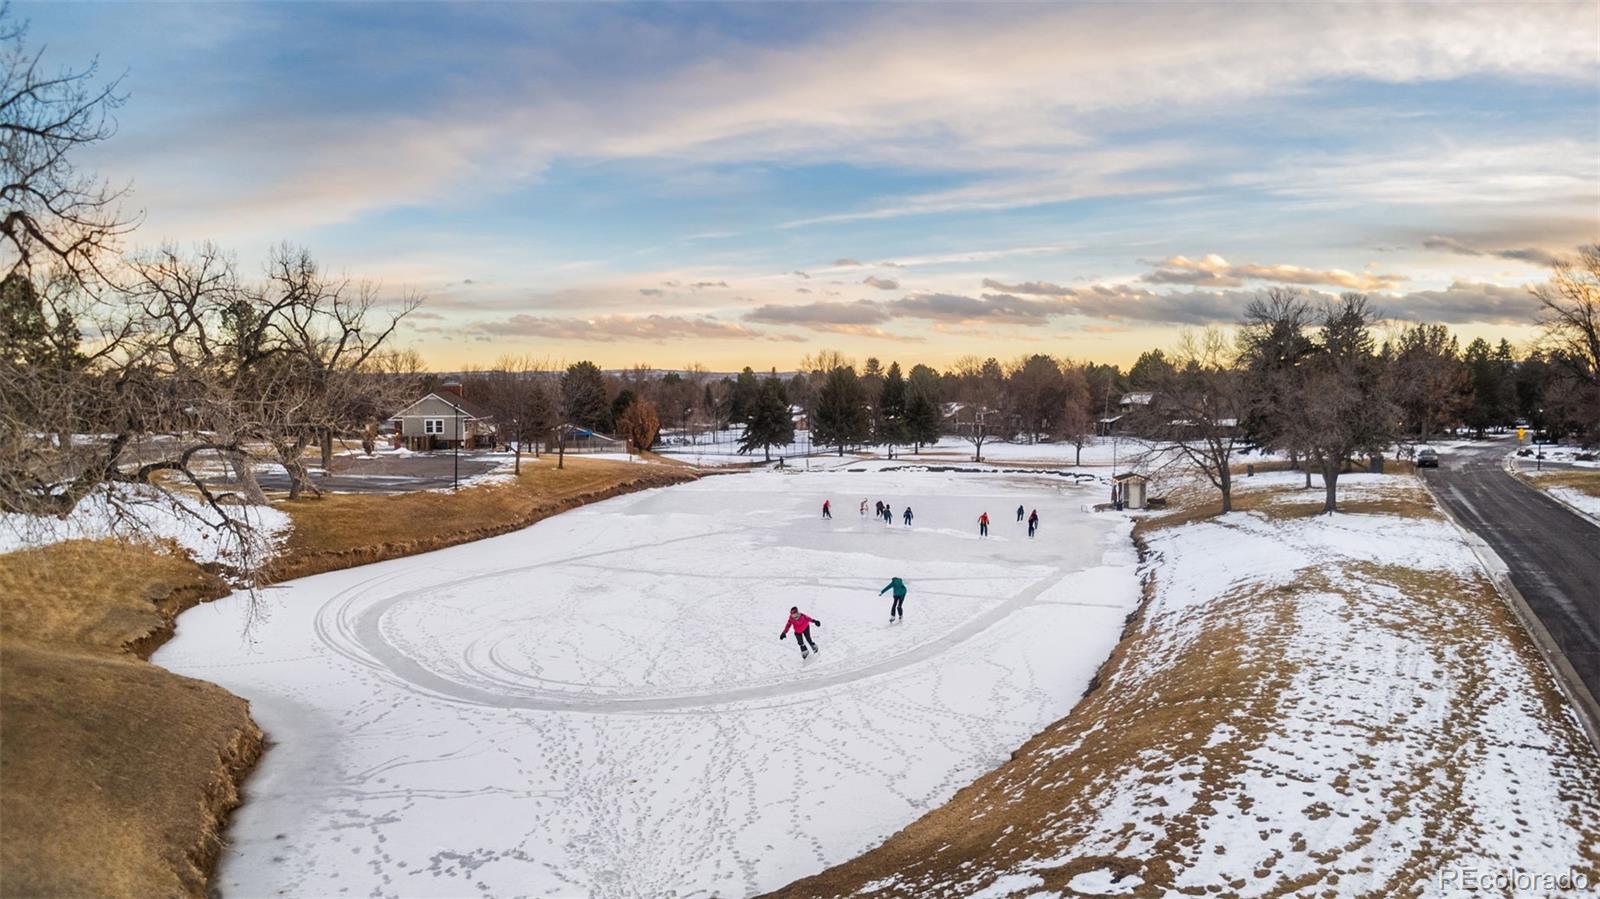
column 1195, row 410
column 1569, row 306
column 52, row 214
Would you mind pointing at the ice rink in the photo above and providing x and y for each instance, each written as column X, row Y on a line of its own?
column 599, row 705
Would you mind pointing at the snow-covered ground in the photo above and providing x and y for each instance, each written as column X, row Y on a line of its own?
column 143, row 513
column 600, row 704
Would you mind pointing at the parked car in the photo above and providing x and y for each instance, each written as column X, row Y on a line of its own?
column 1427, row 457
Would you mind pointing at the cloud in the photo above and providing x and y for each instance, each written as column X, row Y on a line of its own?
column 846, row 262
column 699, row 285
column 651, row 291
column 800, row 274
column 995, row 308
column 881, row 283
column 861, row 312
column 1465, row 302
column 1524, row 254
column 611, row 328
column 1030, row 288
column 1212, row 270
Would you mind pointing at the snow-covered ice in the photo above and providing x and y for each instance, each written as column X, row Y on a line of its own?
column 600, row 704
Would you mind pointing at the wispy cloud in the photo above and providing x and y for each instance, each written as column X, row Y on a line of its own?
column 1522, row 254
column 1212, row 270
column 881, row 283
column 610, row 328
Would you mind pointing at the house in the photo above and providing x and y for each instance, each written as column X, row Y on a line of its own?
column 444, row 420
column 797, row 415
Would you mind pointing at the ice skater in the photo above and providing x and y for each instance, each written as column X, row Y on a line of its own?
column 983, row 525
column 1019, row 513
column 863, row 508
column 897, row 608
column 888, row 514
column 908, row 516
column 877, row 508
column 827, row 509
column 1033, row 523
column 1116, row 496
column 802, row 631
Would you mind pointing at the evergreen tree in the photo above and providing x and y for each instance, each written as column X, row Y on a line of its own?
column 1149, row 369
column 841, row 417
column 891, row 424
column 583, row 396
column 924, row 418
column 746, row 392
column 770, row 423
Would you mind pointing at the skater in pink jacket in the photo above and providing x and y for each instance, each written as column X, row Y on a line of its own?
column 802, row 630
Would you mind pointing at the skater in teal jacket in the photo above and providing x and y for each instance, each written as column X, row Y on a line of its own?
column 896, row 611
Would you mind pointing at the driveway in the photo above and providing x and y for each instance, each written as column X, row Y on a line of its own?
column 383, row 474
column 1553, row 554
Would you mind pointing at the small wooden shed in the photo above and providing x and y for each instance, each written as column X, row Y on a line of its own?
column 1131, row 486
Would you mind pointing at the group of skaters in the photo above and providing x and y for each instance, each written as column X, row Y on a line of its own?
column 801, row 623
column 884, row 511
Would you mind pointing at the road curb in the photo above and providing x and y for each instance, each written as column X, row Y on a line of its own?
column 1584, row 706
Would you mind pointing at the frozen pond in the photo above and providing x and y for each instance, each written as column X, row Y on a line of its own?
column 600, row 704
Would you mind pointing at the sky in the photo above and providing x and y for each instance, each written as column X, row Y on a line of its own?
column 747, row 184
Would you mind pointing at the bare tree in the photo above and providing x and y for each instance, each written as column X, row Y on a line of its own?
column 1075, row 422
column 1426, row 378
column 1195, row 410
column 51, row 214
column 1570, row 317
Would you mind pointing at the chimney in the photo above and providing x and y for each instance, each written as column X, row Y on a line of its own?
column 452, row 386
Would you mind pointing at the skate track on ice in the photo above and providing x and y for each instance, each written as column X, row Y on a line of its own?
column 355, row 630
column 596, row 706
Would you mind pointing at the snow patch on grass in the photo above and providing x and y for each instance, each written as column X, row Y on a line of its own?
column 131, row 512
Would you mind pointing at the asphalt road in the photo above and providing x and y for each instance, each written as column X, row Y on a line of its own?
column 1553, row 553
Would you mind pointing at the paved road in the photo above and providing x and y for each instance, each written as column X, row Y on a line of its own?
column 1553, row 553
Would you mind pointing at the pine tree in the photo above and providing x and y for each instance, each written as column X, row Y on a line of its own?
column 746, row 393
column 583, row 397
column 923, row 416
column 770, row 423
column 841, row 417
column 891, row 424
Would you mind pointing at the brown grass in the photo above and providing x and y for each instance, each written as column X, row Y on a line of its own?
column 1583, row 480
column 116, row 776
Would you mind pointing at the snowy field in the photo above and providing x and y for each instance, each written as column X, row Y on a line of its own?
column 599, row 705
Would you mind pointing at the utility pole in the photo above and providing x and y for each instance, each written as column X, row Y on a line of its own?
column 455, row 483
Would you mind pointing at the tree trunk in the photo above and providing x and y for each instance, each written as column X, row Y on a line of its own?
column 245, row 474
column 561, row 450
column 841, row 450
column 516, row 465
column 1330, row 483
column 1077, row 460
column 1225, row 480
column 766, row 452
column 327, row 449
